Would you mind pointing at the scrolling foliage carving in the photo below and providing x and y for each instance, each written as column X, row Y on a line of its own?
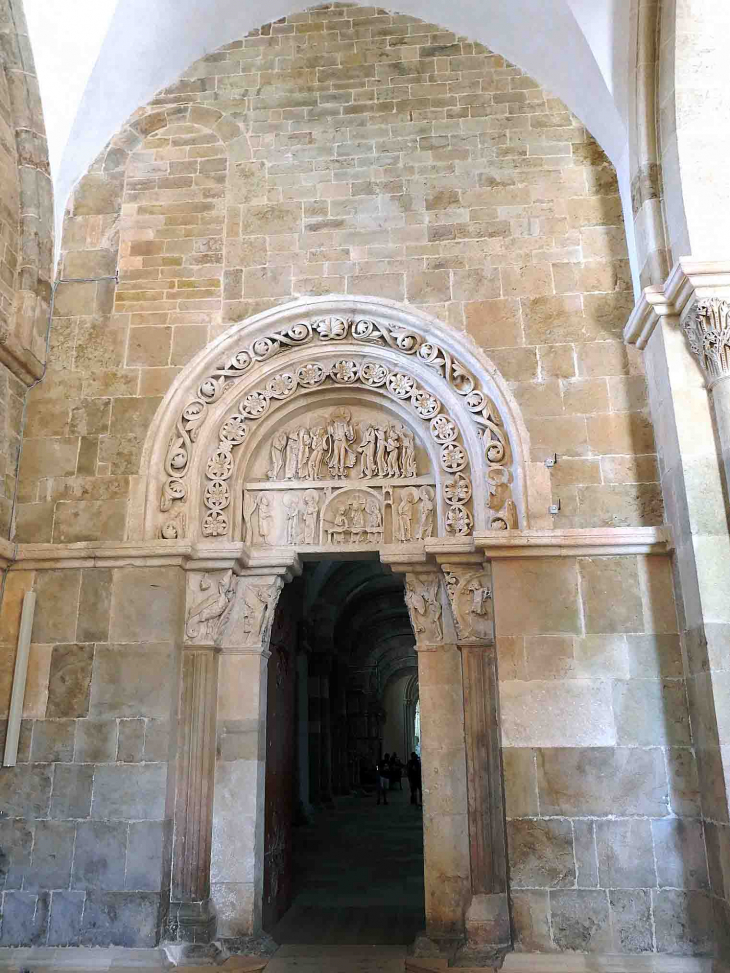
column 328, row 331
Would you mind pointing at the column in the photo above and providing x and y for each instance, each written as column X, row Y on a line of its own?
column 237, row 853
column 192, row 918
column 445, row 795
column 469, row 588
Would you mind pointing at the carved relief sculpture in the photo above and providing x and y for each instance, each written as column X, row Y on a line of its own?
column 470, row 595
column 311, row 513
column 299, row 457
column 251, row 613
column 708, row 331
column 206, row 619
column 341, row 457
column 426, row 512
column 423, row 600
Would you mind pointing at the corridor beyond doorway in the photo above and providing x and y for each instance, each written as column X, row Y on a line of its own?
column 358, row 875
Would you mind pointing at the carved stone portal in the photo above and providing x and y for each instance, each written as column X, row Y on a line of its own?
column 429, row 420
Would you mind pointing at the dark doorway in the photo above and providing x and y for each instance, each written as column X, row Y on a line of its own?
column 339, row 868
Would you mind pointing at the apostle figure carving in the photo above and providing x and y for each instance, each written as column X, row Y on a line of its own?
column 341, row 457
column 311, row 511
column 278, row 448
column 426, row 509
column 291, row 502
column 318, row 446
column 292, row 454
column 408, row 453
column 380, row 460
column 392, row 444
column 367, row 451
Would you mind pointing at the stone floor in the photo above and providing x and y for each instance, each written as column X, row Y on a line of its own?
column 358, row 876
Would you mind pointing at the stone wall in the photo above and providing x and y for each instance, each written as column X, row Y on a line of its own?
column 605, row 836
column 380, row 156
column 86, row 832
column 26, row 240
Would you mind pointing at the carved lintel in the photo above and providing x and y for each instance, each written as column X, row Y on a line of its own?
column 707, row 328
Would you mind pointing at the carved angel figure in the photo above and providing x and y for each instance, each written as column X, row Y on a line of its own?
column 207, row 618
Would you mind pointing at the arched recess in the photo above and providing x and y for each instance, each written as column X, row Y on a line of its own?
column 337, row 367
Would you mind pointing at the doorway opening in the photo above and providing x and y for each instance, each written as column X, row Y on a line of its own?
column 339, row 867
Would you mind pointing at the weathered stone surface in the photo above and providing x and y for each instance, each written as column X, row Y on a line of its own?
column 25, row 919
column 129, row 792
column 541, row 854
column 133, row 587
column 132, row 680
column 130, row 746
column 531, row 920
column 586, row 854
column 651, row 713
column 683, row 922
column 551, row 714
column 69, row 681
column 96, row 741
column 53, row 847
column 145, row 855
column 71, row 796
column 611, row 598
column 631, row 920
column 625, row 854
column 581, row 921
column 598, row 780
column 100, row 856
column 64, row 927
column 120, row 919
column 679, row 847
column 53, row 740
column 536, row 597
column 16, row 841
column 56, row 606
column 520, row 781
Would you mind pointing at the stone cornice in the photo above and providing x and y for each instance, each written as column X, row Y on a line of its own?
column 22, row 363
column 283, row 561
column 689, row 281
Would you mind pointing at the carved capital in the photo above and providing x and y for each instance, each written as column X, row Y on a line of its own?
column 251, row 616
column 424, row 600
column 469, row 588
column 707, row 328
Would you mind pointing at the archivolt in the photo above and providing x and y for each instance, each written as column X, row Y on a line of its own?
column 369, row 344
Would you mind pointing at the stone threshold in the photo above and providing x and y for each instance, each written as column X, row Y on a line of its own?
column 39, row 959
column 579, row 963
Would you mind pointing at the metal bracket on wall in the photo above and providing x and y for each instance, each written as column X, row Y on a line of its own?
column 551, row 461
column 554, row 508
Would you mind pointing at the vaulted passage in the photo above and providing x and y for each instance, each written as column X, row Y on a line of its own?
column 340, row 865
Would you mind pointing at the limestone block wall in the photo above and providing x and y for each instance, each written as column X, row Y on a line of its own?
column 86, row 832
column 350, row 150
column 605, row 837
column 26, row 240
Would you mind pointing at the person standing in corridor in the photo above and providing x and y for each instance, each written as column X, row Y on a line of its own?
column 413, row 769
column 383, row 777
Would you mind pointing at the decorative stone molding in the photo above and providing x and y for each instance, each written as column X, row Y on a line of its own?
column 436, row 391
column 707, row 327
column 588, row 542
column 690, row 281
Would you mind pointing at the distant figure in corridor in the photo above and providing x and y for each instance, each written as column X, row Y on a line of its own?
column 413, row 769
column 383, row 778
column 396, row 772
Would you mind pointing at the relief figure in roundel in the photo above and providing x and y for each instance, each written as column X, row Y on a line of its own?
column 341, row 457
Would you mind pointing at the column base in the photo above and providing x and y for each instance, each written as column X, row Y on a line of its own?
column 193, row 923
column 487, row 922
